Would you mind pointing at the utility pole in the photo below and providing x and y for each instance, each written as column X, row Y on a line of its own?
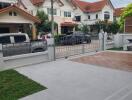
column 52, row 17
column 52, row 25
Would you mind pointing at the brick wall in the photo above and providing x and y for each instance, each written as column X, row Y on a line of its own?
column 128, row 25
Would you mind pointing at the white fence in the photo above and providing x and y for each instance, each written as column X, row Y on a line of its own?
column 118, row 40
column 121, row 40
column 25, row 59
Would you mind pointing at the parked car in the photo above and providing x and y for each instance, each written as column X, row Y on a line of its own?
column 75, row 39
column 19, row 43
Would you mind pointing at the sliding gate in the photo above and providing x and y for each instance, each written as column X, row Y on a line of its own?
column 67, row 48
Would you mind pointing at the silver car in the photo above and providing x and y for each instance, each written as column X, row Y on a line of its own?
column 19, row 43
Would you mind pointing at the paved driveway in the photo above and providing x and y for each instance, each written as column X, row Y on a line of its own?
column 67, row 80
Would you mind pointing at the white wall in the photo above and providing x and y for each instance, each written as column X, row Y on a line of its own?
column 5, row 18
column 30, row 7
column 22, row 60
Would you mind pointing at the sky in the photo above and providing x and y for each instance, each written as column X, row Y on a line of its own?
column 116, row 3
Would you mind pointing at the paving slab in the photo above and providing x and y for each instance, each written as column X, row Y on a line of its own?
column 115, row 60
column 68, row 80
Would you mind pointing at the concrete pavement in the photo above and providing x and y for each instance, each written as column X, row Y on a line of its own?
column 67, row 80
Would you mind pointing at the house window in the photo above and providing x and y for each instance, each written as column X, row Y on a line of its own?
column 97, row 16
column 88, row 16
column 67, row 14
column 15, row 14
column 78, row 18
column 106, row 15
column 49, row 11
column 10, row 13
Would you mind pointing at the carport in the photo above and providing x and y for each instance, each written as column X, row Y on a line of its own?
column 67, row 27
column 14, row 19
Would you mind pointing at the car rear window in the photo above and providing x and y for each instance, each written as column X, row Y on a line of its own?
column 20, row 38
column 5, row 40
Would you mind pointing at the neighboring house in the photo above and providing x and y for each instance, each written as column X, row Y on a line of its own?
column 117, row 13
column 63, row 12
column 128, row 25
column 13, row 19
column 90, row 13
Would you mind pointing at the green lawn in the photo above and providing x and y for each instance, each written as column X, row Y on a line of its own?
column 117, row 49
column 14, row 85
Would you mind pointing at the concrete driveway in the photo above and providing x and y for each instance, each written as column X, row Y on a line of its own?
column 67, row 80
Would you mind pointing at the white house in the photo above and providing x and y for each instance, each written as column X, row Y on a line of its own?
column 63, row 12
column 90, row 13
column 13, row 19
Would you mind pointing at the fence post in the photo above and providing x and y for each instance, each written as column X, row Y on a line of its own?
column 1, row 57
column 105, row 40
column 101, row 40
column 117, row 41
column 51, row 48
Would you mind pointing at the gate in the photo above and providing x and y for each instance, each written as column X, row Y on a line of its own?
column 69, row 46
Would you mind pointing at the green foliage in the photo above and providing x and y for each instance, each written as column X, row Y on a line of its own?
column 85, row 29
column 42, row 16
column 127, row 13
column 107, row 27
column 114, row 28
column 77, row 28
column 45, row 25
column 117, row 49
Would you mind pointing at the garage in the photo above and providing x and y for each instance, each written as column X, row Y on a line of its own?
column 128, row 25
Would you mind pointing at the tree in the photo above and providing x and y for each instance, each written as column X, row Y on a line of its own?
column 45, row 25
column 114, row 27
column 107, row 26
column 127, row 13
column 77, row 28
column 102, row 25
column 85, row 29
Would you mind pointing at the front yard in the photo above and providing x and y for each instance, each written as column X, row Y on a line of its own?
column 14, row 86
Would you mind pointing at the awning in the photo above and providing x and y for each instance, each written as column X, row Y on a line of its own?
column 70, row 24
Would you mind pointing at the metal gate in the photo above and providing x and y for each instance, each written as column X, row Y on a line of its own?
column 68, row 47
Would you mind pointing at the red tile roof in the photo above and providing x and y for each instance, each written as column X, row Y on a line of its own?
column 118, row 12
column 21, row 11
column 68, row 24
column 92, row 7
column 37, row 2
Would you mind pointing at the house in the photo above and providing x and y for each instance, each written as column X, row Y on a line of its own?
column 13, row 19
column 63, row 12
column 90, row 13
column 117, row 13
column 128, row 25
